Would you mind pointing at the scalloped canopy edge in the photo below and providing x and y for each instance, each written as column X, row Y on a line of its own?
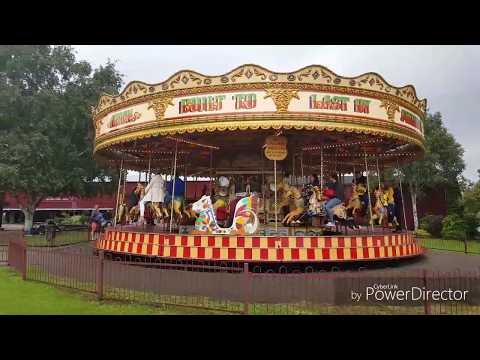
column 251, row 73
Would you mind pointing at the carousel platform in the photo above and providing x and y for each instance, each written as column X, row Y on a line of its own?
column 144, row 242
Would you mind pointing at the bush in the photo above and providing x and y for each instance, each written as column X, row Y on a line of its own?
column 472, row 222
column 432, row 224
column 454, row 227
column 75, row 220
column 422, row 233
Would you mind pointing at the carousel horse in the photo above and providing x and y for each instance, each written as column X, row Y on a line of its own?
column 317, row 203
column 127, row 207
column 122, row 210
column 179, row 206
column 316, row 206
column 291, row 197
column 355, row 202
column 380, row 208
column 245, row 220
column 180, row 209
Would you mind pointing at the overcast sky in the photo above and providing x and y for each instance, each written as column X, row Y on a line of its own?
column 447, row 76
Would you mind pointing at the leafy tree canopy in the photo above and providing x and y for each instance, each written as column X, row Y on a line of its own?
column 46, row 130
column 443, row 163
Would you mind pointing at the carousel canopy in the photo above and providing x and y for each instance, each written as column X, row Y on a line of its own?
column 223, row 121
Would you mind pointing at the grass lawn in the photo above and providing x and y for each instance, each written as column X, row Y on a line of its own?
column 18, row 297
column 61, row 238
column 473, row 246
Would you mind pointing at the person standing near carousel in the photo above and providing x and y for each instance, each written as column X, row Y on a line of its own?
column 97, row 220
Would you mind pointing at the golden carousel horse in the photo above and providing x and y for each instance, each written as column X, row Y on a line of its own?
column 380, row 209
column 355, row 203
column 292, row 197
column 126, row 214
column 122, row 209
column 181, row 211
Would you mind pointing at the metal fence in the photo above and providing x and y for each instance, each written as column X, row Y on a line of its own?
column 466, row 246
column 68, row 235
column 234, row 288
column 3, row 253
column 17, row 256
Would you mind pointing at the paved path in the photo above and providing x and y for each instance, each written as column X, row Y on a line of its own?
column 441, row 260
column 433, row 260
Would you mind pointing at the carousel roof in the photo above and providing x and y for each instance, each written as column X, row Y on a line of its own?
column 229, row 116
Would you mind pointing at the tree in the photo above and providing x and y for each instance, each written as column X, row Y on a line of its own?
column 46, row 130
column 471, row 208
column 442, row 165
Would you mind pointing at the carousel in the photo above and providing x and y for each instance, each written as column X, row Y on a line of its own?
column 294, row 166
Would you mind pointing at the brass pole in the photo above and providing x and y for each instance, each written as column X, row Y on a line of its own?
column 321, row 170
column 301, row 167
column 276, row 205
column 118, row 193
column 294, row 180
column 173, row 184
column 211, row 172
column 378, row 174
column 149, row 176
column 401, row 196
column 369, row 193
column 264, row 186
column 185, row 183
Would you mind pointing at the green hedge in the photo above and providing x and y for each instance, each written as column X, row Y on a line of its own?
column 454, row 227
column 432, row 224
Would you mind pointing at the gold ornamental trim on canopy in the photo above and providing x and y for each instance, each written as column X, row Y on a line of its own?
column 186, row 81
column 264, row 124
column 251, row 97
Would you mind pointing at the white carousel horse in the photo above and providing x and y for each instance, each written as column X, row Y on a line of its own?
column 245, row 221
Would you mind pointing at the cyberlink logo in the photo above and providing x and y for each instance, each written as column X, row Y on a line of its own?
column 389, row 292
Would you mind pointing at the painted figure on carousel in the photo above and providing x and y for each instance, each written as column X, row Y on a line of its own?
column 154, row 193
column 245, row 220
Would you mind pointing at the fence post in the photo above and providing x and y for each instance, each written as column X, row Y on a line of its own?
column 465, row 243
column 24, row 257
column 426, row 305
column 246, row 289
column 9, row 253
column 100, row 263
